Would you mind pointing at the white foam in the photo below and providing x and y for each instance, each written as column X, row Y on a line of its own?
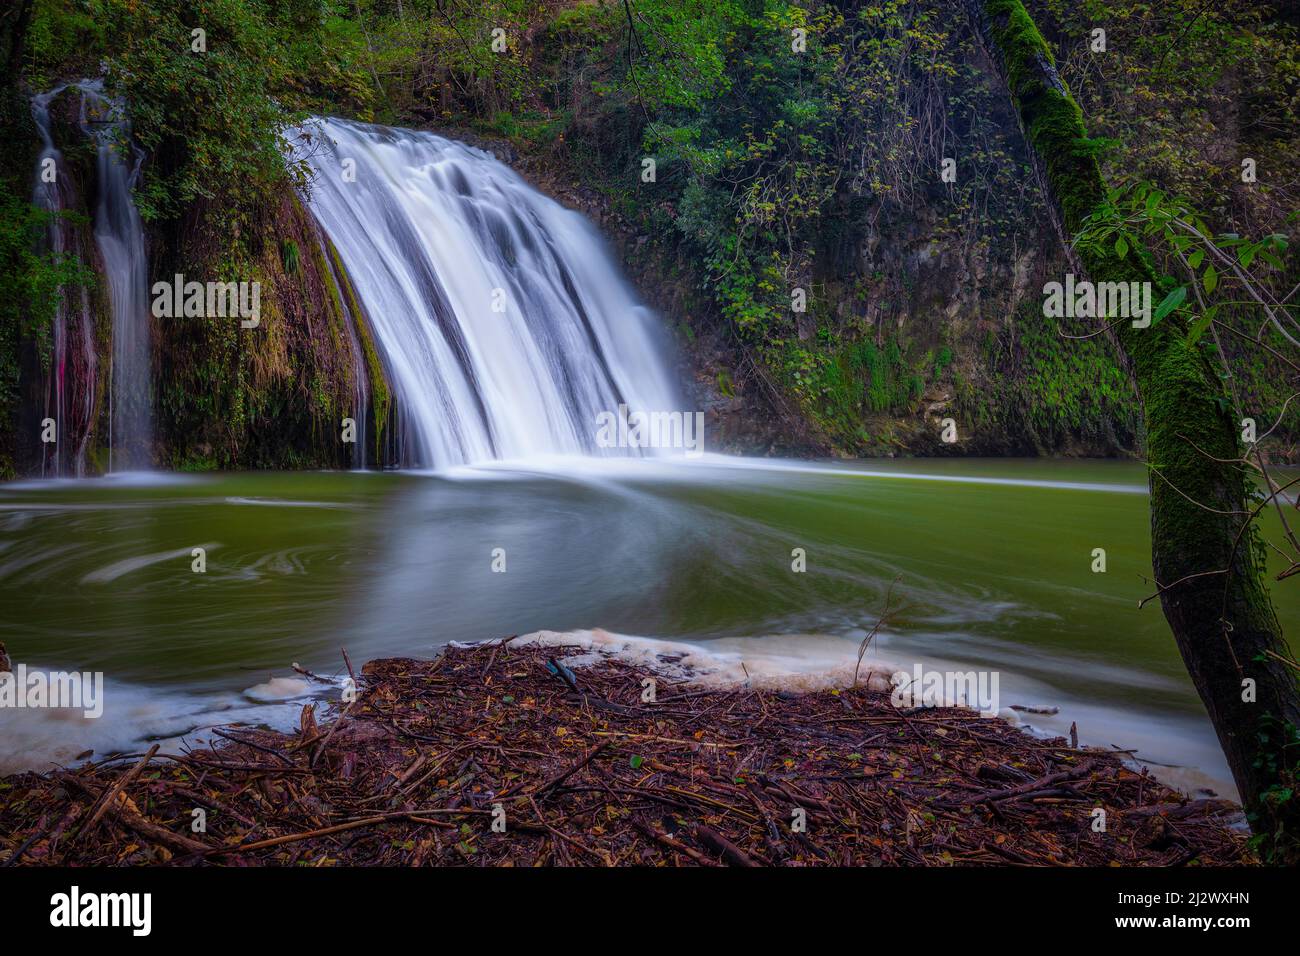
column 686, row 470
column 796, row 663
column 780, row 465
column 279, row 688
column 118, row 479
column 115, row 570
column 135, row 716
column 805, row 662
column 283, row 503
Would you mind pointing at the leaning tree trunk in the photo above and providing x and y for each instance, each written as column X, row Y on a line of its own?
column 1224, row 624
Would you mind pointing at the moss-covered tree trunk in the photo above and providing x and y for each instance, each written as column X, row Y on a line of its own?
column 1224, row 623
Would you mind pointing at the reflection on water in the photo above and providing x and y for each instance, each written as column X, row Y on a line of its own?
column 992, row 559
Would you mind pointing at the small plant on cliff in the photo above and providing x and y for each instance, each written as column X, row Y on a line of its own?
column 289, row 256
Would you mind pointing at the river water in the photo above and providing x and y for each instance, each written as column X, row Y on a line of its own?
column 993, row 560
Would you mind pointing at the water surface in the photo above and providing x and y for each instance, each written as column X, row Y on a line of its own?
column 993, row 561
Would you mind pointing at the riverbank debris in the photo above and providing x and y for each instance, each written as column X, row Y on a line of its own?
column 494, row 754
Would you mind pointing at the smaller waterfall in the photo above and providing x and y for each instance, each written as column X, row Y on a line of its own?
column 119, row 238
column 119, row 235
column 70, row 396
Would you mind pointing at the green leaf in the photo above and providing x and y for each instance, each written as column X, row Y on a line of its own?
column 1194, row 260
column 1198, row 328
column 1121, row 247
column 1170, row 302
column 1210, row 278
column 636, row 762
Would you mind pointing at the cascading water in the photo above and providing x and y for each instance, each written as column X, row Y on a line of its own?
column 119, row 237
column 504, row 325
column 70, row 399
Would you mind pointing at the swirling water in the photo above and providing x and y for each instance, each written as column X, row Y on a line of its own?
column 993, row 561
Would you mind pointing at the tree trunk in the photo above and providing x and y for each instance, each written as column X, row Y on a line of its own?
column 1224, row 623
column 13, row 35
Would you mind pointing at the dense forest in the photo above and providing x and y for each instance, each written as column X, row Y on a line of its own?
column 831, row 287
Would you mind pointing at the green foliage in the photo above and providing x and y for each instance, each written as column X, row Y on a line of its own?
column 435, row 59
column 1231, row 291
column 1058, row 387
column 64, row 41
column 290, row 256
column 1279, row 742
column 212, row 118
column 771, row 161
column 33, row 281
column 842, row 385
column 531, row 127
column 942, row 360
column 1178, row 81
column 681, row 51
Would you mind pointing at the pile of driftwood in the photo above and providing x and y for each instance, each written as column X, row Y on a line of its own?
column 501, row 755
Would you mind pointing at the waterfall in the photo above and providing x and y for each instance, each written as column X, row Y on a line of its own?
column 119, row 235
column 503, row 323
column 70, row 394
column 119, row 238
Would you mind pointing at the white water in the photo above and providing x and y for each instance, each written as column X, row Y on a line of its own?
column 44, row 738
column 433, row 234
column 119, row 237
column 70, row 395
